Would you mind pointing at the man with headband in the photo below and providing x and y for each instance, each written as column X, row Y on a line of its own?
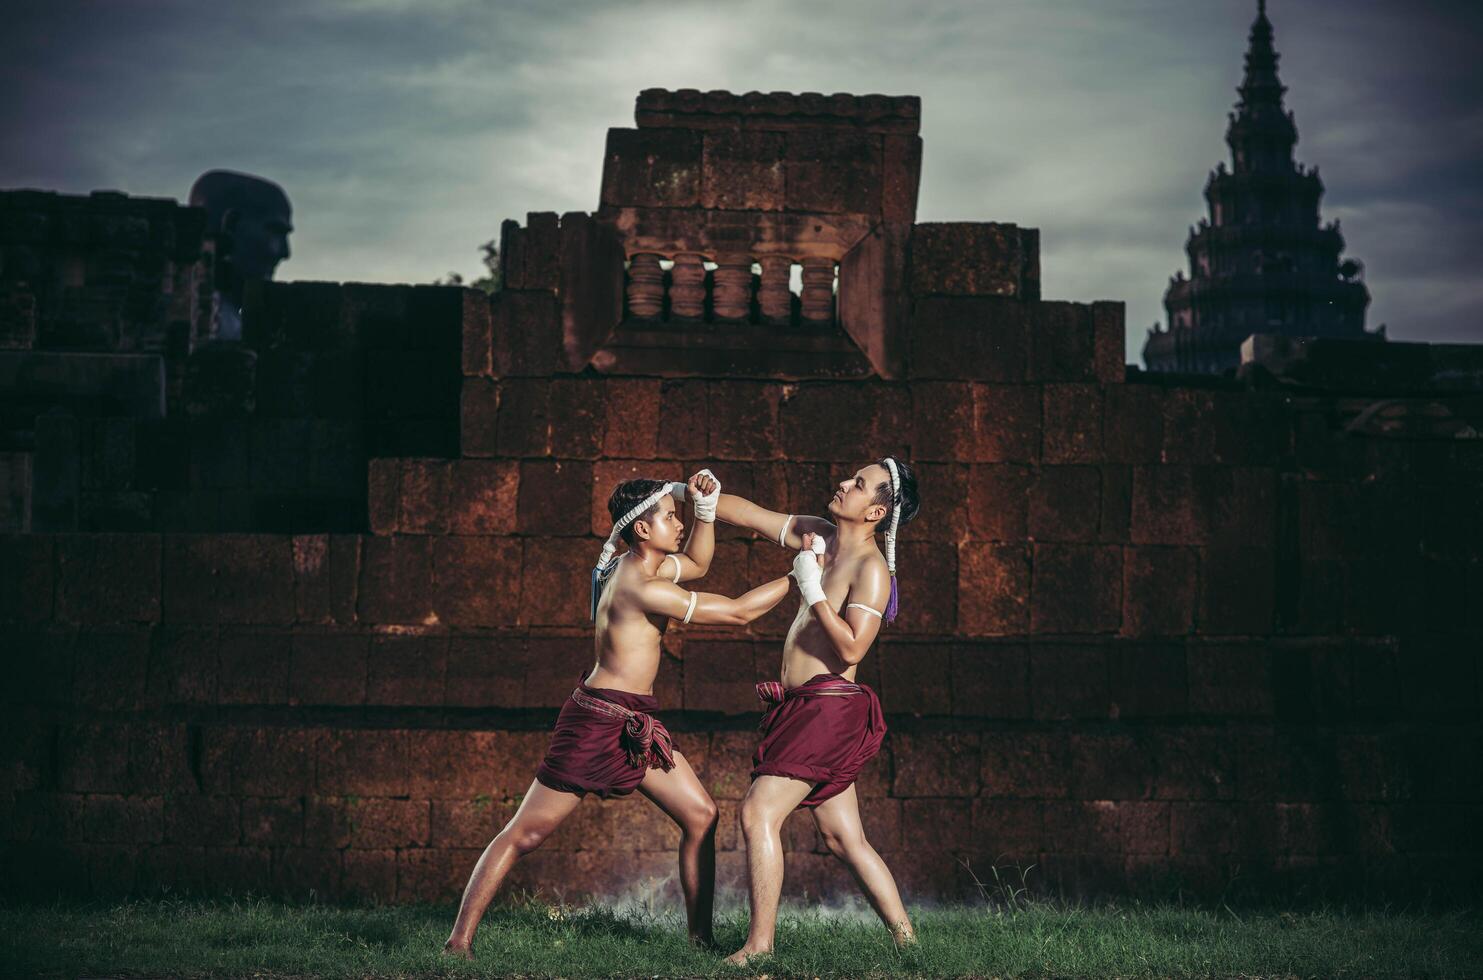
column 821, row 726
column 607, row 739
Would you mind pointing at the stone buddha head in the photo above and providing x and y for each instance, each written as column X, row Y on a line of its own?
column 250, row 219
column 251, row 216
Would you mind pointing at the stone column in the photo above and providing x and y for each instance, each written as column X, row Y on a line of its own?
column 645, row 286
column 687, row 286
column 773, row 294
column 732, row 300
column 818, row 290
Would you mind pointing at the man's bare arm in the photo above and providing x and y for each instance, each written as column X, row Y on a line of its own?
column 854, row 632
column 770, row 524
column 700, row 547
column 707, row 608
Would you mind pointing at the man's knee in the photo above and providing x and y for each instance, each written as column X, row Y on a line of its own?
column 523, row 840
column 843, row 845
column 755, row 817
column 700, row 818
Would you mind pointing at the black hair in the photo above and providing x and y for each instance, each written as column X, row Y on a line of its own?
column 628, row 495
column 910, row 503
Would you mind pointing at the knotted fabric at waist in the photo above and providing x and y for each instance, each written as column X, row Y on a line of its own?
column 820, row 685
column 646, row 742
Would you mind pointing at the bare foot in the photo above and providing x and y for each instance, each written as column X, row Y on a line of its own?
column 903, row 935
column 458, row 951
column 743, row 956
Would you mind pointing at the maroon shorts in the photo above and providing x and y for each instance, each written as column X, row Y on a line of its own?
column 596, row 751
column 822, row 732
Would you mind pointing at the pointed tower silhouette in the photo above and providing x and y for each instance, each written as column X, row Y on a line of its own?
column 1261, row 262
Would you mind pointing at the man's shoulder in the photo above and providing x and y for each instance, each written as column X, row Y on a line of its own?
column 628, row 584
column 641, row 587
column 871, row 565
column 637, row 596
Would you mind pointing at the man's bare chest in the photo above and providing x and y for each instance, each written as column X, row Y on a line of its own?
column 837, row 578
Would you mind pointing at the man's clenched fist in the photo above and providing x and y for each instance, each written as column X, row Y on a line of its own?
column 808, row 569
column 704, row 490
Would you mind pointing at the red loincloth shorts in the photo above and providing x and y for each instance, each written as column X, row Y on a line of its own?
column 605, row 742
column 822, row 732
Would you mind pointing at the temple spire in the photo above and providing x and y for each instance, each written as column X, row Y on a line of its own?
column 1262, row 261
column 1261, row 87
column 1261, row 133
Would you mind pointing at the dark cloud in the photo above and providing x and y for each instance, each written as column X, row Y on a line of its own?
column 405, row 130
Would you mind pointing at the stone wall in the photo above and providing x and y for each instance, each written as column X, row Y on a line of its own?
column 119, row 411
column 105, row 272
column 1149, row 634
column 1178, row 635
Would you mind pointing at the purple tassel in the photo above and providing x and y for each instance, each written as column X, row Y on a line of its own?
column 894, row 604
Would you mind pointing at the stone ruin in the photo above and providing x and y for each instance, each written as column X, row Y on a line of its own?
column 1158, row 633
column 120, row 410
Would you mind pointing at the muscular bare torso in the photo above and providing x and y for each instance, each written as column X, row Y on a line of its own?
column 808, row 650
column 626, row 637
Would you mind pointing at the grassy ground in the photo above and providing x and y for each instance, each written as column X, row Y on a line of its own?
column 268, row 939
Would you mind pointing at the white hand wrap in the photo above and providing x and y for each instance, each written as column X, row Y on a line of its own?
column 705, row 506
column 809, row 575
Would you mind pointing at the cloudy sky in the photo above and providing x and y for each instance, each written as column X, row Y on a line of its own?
column 406, row 130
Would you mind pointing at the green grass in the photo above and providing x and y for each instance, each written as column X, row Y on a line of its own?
column 258, row 938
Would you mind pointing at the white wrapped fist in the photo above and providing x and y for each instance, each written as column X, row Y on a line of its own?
column 808, row 573
column 705, row 491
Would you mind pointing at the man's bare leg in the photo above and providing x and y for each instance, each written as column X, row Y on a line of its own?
column 766, row 806
column 541, row 812
column 679, row 794
column 839, row 824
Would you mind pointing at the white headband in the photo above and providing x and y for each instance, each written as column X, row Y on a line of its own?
column 895, row 516
column 605, row 560
column 894, row 605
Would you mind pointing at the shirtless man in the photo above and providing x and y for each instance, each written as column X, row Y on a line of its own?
column 607, row 740
column 821, row 726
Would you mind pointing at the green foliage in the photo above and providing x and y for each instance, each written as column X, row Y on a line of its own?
column 489, row 282
column 533, row 938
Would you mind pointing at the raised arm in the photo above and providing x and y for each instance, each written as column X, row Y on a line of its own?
column 700, row 547
column 707, row 608
column 783, row 529
column 854, row 632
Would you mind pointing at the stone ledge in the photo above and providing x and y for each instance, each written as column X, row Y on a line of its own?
column 1368, row 365
column 691, row 108
column 129, row 384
